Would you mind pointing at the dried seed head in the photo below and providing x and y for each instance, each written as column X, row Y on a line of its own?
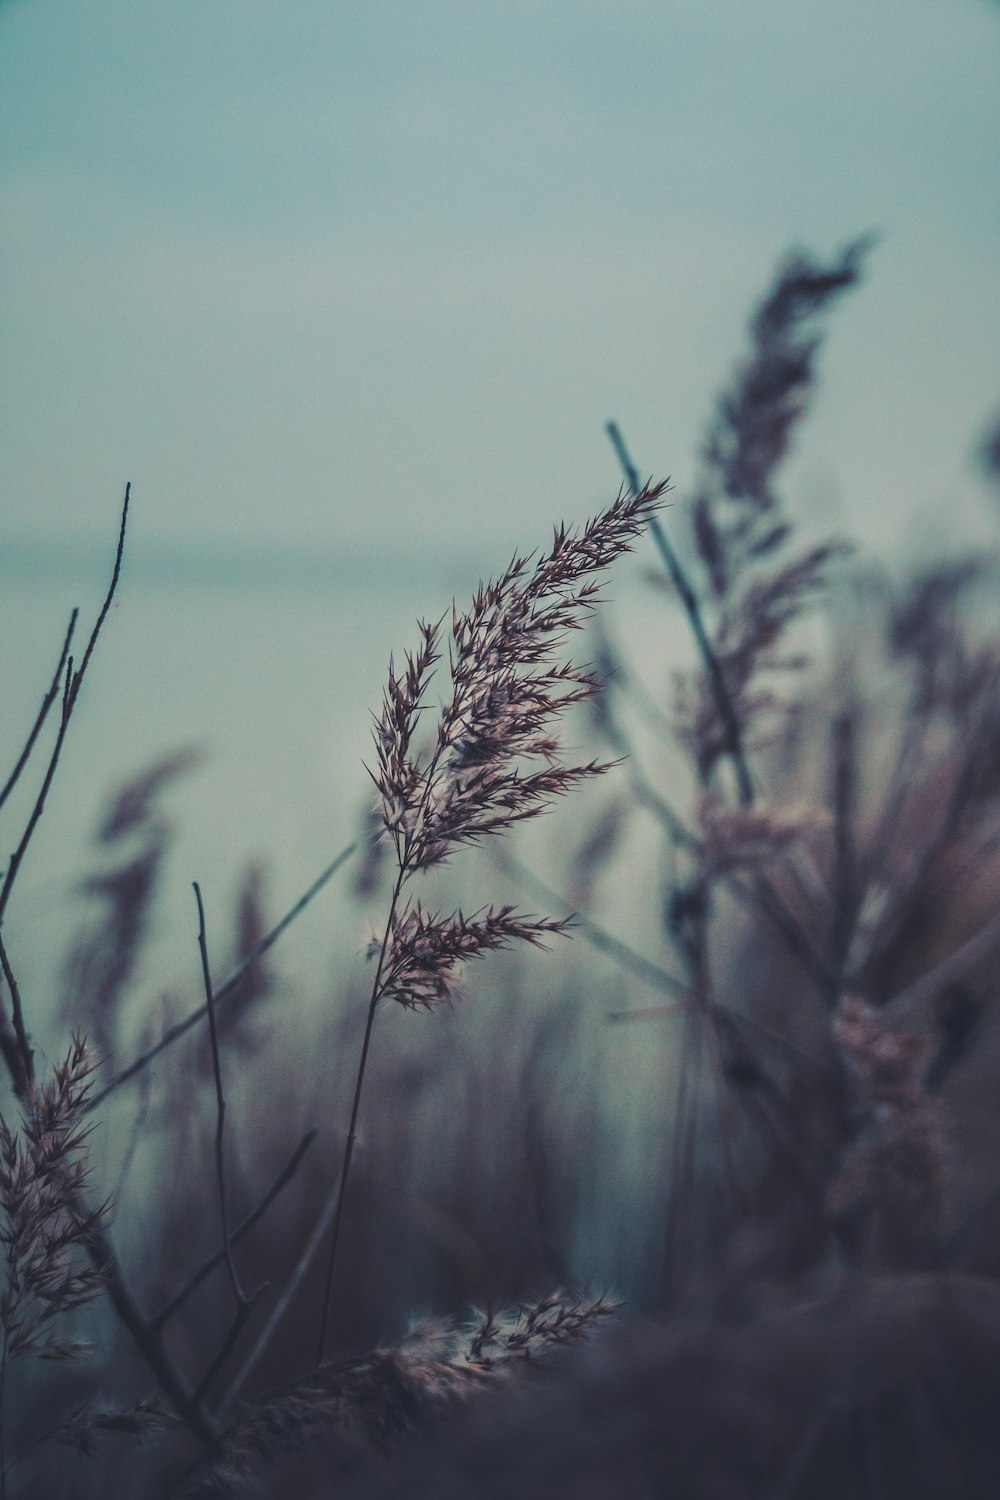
column 43, row 1174
column 426, row 952
column 507, row 691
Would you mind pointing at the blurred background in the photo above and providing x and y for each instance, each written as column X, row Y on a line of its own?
column 348, row 293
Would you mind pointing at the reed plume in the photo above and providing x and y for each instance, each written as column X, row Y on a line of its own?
column 360, row 1409
column 47, row 1236
column 508, row 690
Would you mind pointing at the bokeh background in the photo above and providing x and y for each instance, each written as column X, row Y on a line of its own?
column 348, row 290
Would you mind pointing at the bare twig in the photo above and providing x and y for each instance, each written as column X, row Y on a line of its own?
column 174, row 1033
column 72, row 683
column 97, row 1243
column 148, row 1340
column 43, row 712
column 244, row 1303
column 208, row 1265
column 309, row 1252
column 243, row 1311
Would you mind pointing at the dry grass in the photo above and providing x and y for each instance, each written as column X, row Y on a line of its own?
column 808, row 1241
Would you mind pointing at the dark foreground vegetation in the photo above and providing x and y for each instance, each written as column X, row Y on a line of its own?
column 798, row 1295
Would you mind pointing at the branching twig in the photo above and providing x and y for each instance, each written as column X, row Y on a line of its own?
column 207, row 1266
column 148, row 1340
column 72, row 683
column 43, row 712
column 310, row 1250
column 243, row 1311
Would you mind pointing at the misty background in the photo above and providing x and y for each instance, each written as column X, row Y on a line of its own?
column 348, row 291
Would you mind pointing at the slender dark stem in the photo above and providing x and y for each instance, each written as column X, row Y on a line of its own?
column 148, row 1340
column 98, row 1245
column 11, row 1051
column 43, row 712
column 72, row 682
column 18, row 1056
column 116, row 574
column 23, row 1042
column 174, row 1033
column 723, row 702
column 243, row 1311
column 243, row 1228
column 311, row 1249
column 220, row 1111
column 352, row 1128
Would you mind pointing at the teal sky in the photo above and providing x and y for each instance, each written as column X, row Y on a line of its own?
column 347, row 273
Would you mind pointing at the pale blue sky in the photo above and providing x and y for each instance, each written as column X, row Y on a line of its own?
column 351, row 273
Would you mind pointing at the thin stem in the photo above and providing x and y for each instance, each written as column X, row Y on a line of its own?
column 43, row 712
column 174, row 1033
column 109, row 596
column 723, row 702
column 73, row 682
column 220, row 1109
column 148, row 1340
column 243, row 1228
column 311, row 1249
column 243, row 1311
column 355, row 1111
column 11, row 1050
column 19, row 1057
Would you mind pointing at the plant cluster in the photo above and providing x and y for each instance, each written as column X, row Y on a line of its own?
column 813, row 1280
